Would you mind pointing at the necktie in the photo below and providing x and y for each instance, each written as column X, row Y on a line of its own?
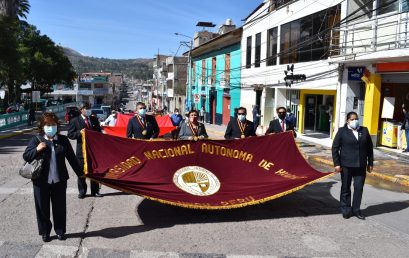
column 86, row 122
column 282, row 125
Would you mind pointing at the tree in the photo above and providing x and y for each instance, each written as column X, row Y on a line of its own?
column 44, row 63
column 10, row 67
column 14, row 8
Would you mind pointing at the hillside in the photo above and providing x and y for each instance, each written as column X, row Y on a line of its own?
column 139, row 68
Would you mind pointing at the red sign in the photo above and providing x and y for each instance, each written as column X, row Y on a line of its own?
column 209, row 174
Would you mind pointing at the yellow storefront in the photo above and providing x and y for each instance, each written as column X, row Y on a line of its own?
column 317, row 111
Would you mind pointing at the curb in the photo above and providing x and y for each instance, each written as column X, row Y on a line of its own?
column 393, row 179
column 16, row 133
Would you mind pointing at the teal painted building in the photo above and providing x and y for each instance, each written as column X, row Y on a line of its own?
column 214, row 77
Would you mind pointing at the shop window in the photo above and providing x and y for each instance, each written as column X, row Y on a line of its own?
column 248, row 52
column 257, row 52
column 387, row 6
column 272, row 46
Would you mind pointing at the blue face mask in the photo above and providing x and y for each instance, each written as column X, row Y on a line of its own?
column 51, row 130
column 241, row 117
column 354, row 124
column 142, row 111
column 87, row 112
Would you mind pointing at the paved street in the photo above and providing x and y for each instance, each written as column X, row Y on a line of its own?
column 303, row 224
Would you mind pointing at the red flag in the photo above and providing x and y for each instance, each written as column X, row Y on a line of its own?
column 164, row 123
column 209, row 174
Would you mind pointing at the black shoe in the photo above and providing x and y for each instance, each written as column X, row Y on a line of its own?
column 61, row 237
column 359, row 215
column 96, row 195
column 405, row 151
column 346, row 215
column 81, row 196
column 46, row 238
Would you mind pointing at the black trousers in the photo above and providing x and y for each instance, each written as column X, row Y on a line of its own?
column 347, row 174
column 82, row 184
column 43, row 193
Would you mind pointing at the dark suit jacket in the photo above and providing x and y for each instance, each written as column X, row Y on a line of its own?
column 275, row 127
column 134, row 129
column 347, row 151
column 74, row 131
column 63, row 150
column 185, row 131
column 233, row 130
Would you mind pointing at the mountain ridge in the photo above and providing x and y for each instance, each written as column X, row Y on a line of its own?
column 138, row 68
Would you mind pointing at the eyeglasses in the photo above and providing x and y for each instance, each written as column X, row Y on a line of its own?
column 241, row 113
column 282, row 112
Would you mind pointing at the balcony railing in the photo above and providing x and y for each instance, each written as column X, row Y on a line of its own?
column 386, row 32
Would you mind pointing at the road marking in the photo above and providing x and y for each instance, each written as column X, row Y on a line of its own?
column 29, row 190
column 149, row 254
column 49, row 251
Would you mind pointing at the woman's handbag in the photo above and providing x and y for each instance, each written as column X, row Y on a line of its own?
column 32, row 170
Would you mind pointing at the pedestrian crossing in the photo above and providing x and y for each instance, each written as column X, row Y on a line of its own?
column 17, row 250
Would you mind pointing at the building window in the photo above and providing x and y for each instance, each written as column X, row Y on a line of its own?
column 227, row 70
column 203, row 72
column 248, row 53
column 257, row 52
column 213, row 70
column 387, row 6
column 310, row 38
column 405, row 5
column 272, row 46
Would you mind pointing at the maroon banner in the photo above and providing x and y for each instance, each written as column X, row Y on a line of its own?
column 209, row 174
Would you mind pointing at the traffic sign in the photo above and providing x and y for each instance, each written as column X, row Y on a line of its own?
column 196, row 98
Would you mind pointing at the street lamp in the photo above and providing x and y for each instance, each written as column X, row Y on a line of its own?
column 189, row 91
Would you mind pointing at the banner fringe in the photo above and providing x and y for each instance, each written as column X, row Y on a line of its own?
column 84, row 152
column 224, row 207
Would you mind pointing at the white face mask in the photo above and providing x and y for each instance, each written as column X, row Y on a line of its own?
column 241, row 117
column 354, row 124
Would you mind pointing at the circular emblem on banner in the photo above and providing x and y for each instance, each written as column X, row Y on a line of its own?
column 196, row 181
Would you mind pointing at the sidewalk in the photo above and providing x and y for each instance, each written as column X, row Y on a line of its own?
column 390, row 165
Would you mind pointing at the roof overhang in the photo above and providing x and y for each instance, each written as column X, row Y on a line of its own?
column 220, row 42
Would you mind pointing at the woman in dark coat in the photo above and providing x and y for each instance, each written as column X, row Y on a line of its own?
column 192, row 129
column 52, row 183
column 352, row 153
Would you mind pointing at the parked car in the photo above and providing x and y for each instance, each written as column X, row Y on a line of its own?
column 96, row 106
column 99, row 113
column 70, row 113
column 107, row 110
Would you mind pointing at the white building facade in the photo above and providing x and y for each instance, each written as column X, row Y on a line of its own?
column 282, row 34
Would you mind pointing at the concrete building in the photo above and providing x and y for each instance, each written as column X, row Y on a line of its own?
column 214, row 75
column 279, row 35
column 373, row 59
column 176, row 82
column 95, row 88
column 159, row 93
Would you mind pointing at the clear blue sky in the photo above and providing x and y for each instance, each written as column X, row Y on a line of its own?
column 130, row 28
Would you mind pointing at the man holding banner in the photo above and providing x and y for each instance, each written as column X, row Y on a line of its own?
column 240, row 127
column 142, row 126
column 192, row 129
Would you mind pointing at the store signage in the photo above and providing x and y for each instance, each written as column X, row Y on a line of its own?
column 355, row 73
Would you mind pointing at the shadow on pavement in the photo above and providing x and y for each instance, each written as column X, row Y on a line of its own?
column 386, row 207
column 12, row 145
column 314, row 200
